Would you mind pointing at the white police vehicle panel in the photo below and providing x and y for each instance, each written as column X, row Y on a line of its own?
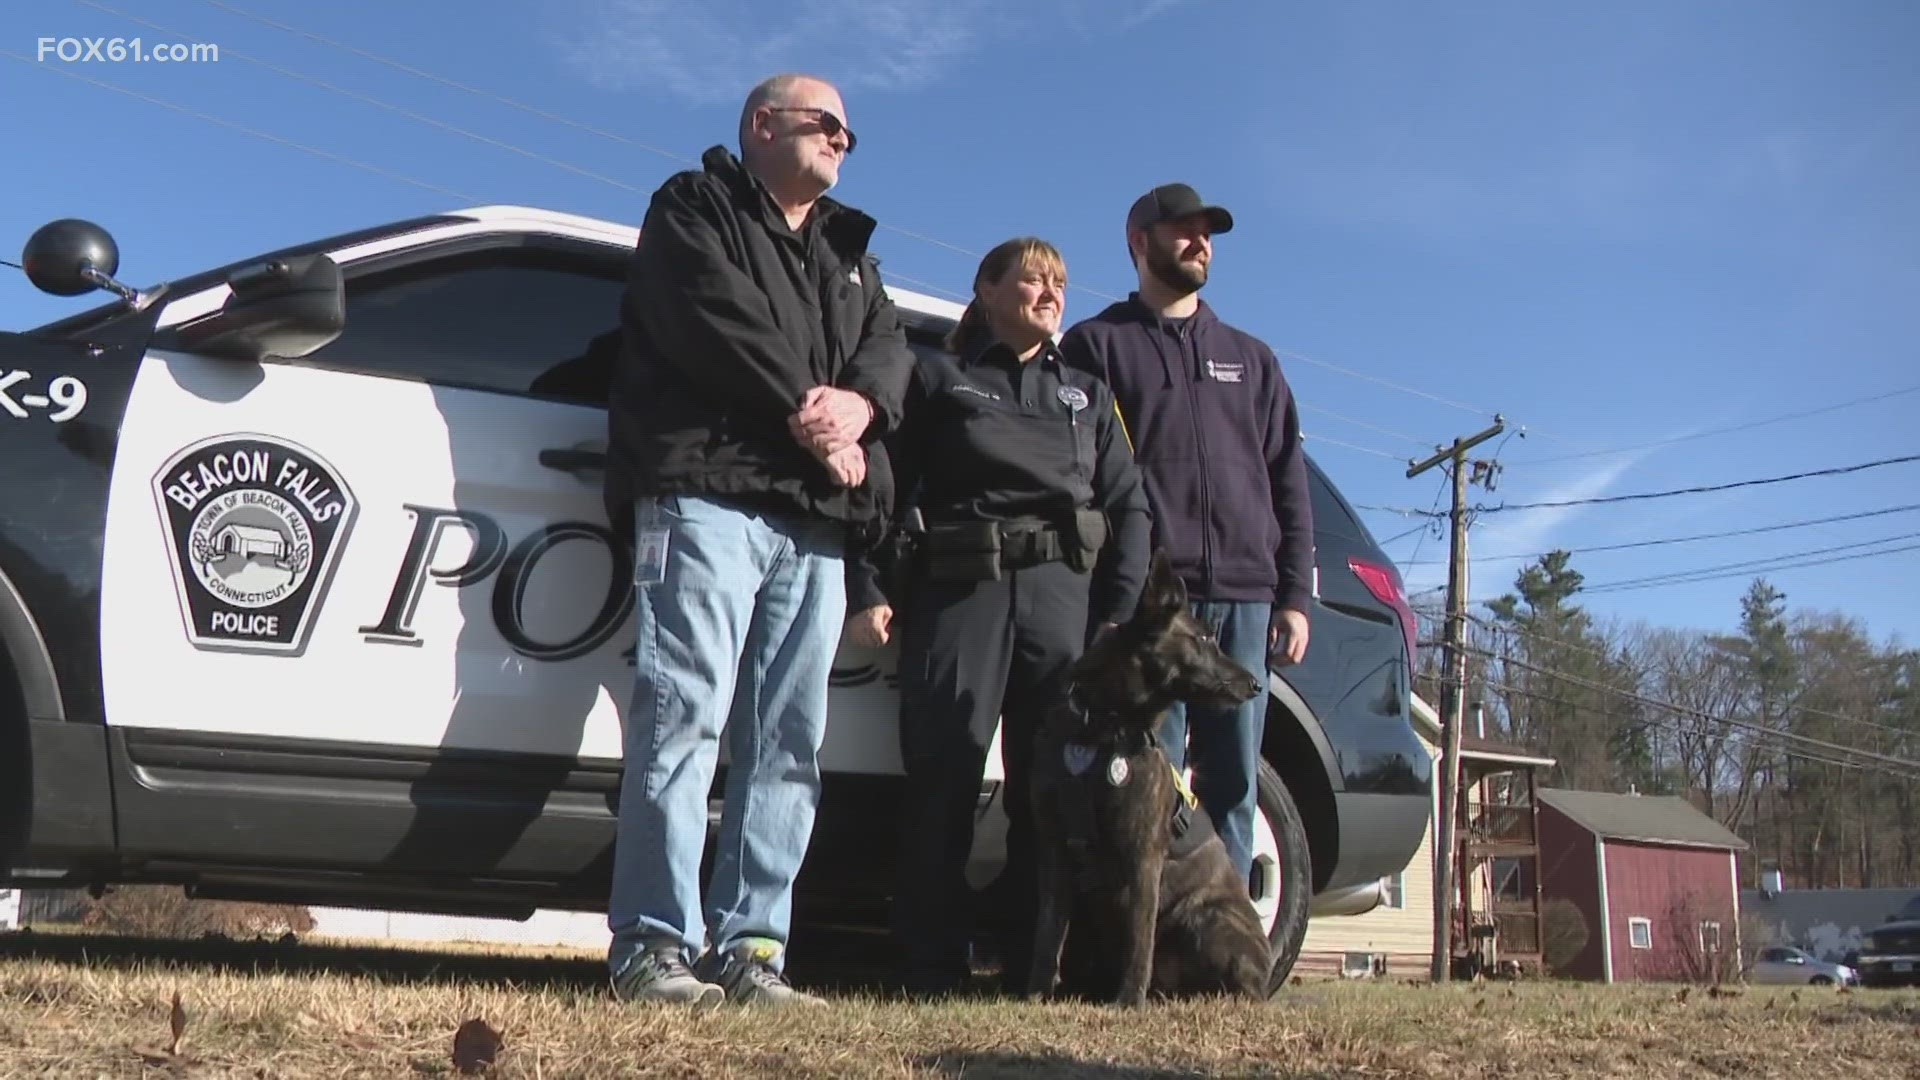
column 308, row 589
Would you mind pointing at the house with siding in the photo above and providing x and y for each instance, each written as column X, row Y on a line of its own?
column 1395, row 938
column 1654, row 879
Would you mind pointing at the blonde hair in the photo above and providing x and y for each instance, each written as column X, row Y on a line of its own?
column 1022, row 252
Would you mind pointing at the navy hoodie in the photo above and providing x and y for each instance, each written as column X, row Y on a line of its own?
column 1216, row 435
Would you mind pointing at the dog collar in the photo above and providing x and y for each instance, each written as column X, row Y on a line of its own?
column 1082, row 711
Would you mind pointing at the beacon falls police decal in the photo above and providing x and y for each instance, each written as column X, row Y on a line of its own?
column 254, row 525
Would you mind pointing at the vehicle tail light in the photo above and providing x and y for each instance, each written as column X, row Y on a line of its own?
column 1384, row 584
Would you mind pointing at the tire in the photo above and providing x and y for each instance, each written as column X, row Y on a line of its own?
column 1281, row 882
column 1820, row 980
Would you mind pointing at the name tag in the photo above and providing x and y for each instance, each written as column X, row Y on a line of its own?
column 1226, row 371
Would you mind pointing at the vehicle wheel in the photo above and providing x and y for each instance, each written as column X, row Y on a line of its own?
column 1820, row 980
column 1281, row 881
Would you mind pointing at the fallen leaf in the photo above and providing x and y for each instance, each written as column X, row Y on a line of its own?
column 475, row 1046
column 177, row 1022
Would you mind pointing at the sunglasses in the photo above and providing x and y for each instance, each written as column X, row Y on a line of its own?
column 830, row 125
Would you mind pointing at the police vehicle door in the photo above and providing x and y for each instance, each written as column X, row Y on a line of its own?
column 396, row 542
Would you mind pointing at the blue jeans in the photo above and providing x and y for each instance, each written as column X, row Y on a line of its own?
column 1224, row 744
column 739, row 633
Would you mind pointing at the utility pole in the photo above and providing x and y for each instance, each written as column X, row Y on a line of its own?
column 1453, row 683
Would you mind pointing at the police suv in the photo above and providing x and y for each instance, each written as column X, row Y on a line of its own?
column 307, row 594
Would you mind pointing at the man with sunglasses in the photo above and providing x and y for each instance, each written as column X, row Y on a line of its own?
column 762, row 362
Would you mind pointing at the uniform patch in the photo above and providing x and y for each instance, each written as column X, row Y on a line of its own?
column 1078, row 758
column 1226, row 371
column 254, row 525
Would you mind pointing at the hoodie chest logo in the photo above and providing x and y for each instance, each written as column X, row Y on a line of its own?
column 963, row 388
column 1227, row 371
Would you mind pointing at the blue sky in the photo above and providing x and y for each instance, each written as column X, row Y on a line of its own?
column 1615, row 224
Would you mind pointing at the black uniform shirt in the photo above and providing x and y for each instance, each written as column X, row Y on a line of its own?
column 987, row 436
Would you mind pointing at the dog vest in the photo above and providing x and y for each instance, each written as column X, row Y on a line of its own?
column 1090, row 768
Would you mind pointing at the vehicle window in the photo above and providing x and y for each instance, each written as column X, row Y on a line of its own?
column 520, row 320
column 1328, row 515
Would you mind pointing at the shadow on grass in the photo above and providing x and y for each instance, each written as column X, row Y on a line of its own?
column 829, row 960
column 988, row 1066
column 394, row 965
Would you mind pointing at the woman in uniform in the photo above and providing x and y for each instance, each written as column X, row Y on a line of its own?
column 1028, row 533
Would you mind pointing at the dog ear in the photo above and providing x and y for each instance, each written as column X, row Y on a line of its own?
column 1165, row 595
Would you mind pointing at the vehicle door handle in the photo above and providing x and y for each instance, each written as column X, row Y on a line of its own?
column 574, row 460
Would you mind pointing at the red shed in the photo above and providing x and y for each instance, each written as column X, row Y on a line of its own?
column 1654, row 878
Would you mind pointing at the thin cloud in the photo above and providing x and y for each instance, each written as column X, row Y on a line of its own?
column 1522, row 531
column 710, row 52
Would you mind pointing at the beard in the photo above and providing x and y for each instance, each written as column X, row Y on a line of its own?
column 1182, row 278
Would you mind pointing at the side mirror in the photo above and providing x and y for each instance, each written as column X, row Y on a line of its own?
column 73, row 256
column 285, row 307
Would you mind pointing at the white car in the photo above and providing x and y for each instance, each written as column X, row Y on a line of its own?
column 1787, row 965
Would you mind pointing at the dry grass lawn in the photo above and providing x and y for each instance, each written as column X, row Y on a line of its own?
column 83, row 1007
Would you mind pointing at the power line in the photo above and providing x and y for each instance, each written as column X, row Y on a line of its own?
column 1305, row 437
column 1747, row 426
column 1656, row 703
column 1746, row 563
column 1388, row 383
column 1700, row 490
column 1693, row 729
column 1589, row 650
column 378, row 103
column 1324, row 411
column 1688, row 539
column 1631, row 586
column 451, row 84
column 546, row 115
column 243, row 129
column 1433, row 512
column 1404, row 535
column 1403, row 511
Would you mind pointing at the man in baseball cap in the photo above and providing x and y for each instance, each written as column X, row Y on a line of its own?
column 1216, row 435
column 1170, row 202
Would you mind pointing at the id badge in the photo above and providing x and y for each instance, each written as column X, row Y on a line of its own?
column 650, row 557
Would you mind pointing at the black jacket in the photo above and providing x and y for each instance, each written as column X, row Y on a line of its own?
column 988, row 437
column 1217, row 435
column 729, row 318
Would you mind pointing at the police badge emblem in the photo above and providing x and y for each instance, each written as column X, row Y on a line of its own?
column 1117, row 771
column 1072, row 397
column 1078, row 758
column 254, row 525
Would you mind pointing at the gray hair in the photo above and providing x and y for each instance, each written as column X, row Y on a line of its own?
column 769, row 91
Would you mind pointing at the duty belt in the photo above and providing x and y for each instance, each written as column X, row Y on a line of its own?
column 1030, row 547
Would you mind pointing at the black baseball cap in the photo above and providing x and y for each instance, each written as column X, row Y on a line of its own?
column 1169, row 201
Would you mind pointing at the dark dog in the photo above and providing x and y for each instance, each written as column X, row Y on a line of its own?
column 1128, row 863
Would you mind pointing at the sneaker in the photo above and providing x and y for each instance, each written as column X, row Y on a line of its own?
column 747, row 975
column 659, row 974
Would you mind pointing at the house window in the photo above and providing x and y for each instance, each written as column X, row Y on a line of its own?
column 1393, row 891
column 1640, row 933
column 1363, row 965
column 1709, row 938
